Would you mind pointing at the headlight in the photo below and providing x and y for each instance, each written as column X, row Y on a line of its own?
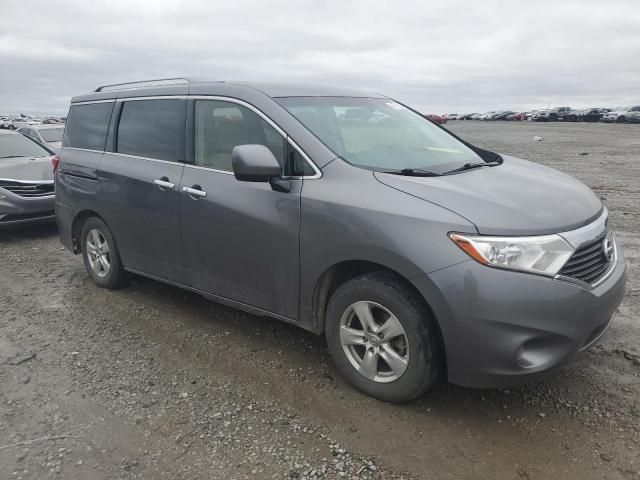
column 545, row 254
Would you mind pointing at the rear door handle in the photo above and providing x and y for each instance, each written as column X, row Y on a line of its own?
column 194, row 191
column 164, row 183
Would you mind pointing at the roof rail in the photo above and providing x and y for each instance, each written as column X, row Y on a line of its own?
column 158, row 82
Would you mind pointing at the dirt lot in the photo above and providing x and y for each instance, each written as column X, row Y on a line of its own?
column 153, row 382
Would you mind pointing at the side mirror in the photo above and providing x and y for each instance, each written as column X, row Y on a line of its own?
column 254, row 163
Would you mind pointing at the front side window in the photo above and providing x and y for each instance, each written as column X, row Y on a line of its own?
column 220, row 126
column 87, row 125
column 152, row 129
column 379, row 134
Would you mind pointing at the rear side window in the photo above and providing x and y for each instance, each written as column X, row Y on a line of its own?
column 87, row 125
column 220, row 126
column 152, row 129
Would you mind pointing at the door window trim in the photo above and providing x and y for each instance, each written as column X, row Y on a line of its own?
column 181, row 147
column 317, row 172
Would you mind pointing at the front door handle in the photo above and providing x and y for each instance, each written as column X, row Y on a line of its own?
column 195, row 191
column 164, row 183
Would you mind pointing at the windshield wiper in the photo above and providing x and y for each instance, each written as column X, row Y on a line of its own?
column 413, row 172
column 469, row 166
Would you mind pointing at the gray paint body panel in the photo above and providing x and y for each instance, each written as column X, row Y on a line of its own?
column 486, row 315
column 143, row 217
column 20, row 208
column 372, row 223
column 241, row 241
column 515, row 198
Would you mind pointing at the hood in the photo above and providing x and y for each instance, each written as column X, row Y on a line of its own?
column 26, row 168
column 515, row 198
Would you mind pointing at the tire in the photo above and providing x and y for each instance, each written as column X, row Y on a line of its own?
column 621, row 119
column 418, row 345
column 97, row 241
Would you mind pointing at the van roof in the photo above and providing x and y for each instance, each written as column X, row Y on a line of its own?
column 210, row 86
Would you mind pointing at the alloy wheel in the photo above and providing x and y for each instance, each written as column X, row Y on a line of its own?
column 98, row 253
column 374, row 341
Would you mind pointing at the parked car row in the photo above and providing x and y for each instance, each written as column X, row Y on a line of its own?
column 630, row 114
column 9, row 122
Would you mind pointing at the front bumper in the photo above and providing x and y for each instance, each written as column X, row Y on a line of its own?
column 16, row 210
column 502, row 328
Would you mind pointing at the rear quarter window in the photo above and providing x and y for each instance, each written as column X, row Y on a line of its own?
column 87, row 125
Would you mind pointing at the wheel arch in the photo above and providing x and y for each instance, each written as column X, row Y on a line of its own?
column 339, row 273
column 76, row 227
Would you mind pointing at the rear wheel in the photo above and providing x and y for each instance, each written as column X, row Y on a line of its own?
column 382, row 337
column 100, row 254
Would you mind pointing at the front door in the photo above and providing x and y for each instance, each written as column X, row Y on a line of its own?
column 240, row 239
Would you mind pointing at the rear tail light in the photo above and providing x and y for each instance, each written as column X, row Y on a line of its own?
column 55, row 161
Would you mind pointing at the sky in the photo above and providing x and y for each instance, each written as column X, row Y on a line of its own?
column 438, row 56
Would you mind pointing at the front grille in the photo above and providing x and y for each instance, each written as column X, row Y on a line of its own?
column 28, row 189
column 588, row 263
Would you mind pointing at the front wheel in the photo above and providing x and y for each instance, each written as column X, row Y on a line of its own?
column 382, row 338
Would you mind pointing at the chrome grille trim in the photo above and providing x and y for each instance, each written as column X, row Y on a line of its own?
column 28, row 189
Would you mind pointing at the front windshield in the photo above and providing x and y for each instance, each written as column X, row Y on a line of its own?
column 52, row 134
column 16, row 145
column 379, row 134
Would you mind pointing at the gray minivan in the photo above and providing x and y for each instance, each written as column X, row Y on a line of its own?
column 418, row 255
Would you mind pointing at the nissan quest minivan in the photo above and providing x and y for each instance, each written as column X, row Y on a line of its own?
column 418, row 255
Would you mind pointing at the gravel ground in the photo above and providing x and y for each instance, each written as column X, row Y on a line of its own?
column 154, row 382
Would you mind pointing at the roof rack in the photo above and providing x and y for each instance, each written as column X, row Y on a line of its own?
column 158, row 82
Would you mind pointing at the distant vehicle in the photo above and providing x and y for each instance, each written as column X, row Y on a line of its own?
column 51, row 121
column 20, row 122
column 487, row 115
column 5, row 122
column 451, row 116
column 47, row 134
column 476, row 116
column 621, row 115
column 502, row 115
column 633, row 116
column 466, row 116
column 439, row 119
column 541, row 116
column 557, row 114
column 530, row 116
column 516, row 116
column 590, row 114
column 26, row 180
